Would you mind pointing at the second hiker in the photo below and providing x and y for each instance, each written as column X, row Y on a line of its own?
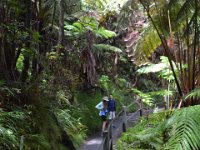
column 111, row 107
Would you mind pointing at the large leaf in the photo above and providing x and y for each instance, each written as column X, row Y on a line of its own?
column 145, row 97
column 152, row 68
column 184, row 128
column 193, row 94
column 107, row 47
column 101, row 32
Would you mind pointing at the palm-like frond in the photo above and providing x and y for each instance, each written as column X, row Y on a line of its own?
column 144, row 45
column 182, row 10
column 102, row 32
column 184, row 128
column 186, row 9
column 162, row 68
column 193, row 94
column 148, row 42
column 107, row 47
column 152, row 68
column 182, row 6
column 145, row 97
column 85, row 24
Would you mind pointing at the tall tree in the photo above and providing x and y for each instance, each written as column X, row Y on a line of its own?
column 61, row 25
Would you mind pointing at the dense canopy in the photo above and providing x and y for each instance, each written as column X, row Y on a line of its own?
column 58, row 58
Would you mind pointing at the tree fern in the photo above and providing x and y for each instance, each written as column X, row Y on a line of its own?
column 146, row 44
column 85, row 24
column 184, row 128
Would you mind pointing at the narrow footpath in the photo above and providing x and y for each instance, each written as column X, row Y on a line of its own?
column 94, row 142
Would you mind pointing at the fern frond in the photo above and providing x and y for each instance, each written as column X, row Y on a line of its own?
column 185, row 9
column 145, row 97
column 193, row 94
column 152, row 68
column 107, row 48
column 184, row 128
column 148, row 41
column 101, row 32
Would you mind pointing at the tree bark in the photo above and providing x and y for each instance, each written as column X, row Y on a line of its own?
column 61, row 27
column 24, row 74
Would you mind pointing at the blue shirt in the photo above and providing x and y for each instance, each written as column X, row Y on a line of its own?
column 111, row 105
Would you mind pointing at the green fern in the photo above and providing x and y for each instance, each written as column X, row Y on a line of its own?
column 85, row 24
column 103, row 33
column 71, row 125
column 152, row 68
column 179, row 132
column 162, row 68
column 9, row 122
column 147, row 134
column 107, row 47
column 184, row 128
column 193, row 94
column 147, row 42
column 145, row 97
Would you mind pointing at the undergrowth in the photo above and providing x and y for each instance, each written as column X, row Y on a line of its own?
column 139, row 136
column 167, row 130
column 87, row 113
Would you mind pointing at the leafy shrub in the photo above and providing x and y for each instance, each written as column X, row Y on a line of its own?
column 144, row 134
column 73, row 126
column 9, row 122
column 86, row 111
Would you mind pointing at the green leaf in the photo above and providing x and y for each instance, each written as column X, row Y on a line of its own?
column 152, row 68
column 107, row 48
column 101, row 32
column 145, row 97
column 193, row 94
column 184, row 127
column 78, row 25
column 71, row 28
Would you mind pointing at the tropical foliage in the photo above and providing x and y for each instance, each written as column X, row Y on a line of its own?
column 165, row 130
column 179, row 36
column 58, row 58
column 52, row 54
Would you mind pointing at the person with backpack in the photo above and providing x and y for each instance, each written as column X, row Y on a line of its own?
column 111, row 108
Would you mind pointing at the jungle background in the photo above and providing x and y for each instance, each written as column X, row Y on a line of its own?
column 58, row 58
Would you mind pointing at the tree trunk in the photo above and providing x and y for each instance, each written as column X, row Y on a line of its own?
column 24, row 74
column 61, row 27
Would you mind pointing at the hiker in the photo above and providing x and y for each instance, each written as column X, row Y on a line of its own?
column 103, row 107
column 111, row 108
